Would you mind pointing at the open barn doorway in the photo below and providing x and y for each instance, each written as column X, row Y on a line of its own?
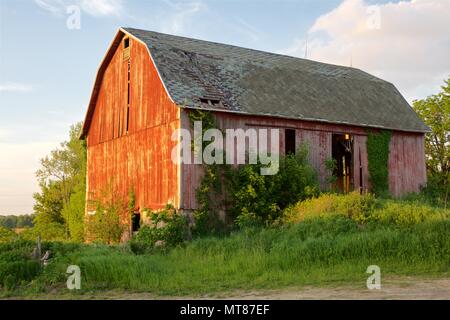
column 135, row 222
column 342, row 152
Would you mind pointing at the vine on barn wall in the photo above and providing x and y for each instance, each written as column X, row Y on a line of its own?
column 210, row 190
column 378, row 156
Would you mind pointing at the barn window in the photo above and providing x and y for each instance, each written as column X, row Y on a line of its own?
column 126, row 48
column 289, row 142
column 128, row 97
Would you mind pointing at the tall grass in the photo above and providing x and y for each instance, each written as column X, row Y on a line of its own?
column 329, row 239
column 317, row 251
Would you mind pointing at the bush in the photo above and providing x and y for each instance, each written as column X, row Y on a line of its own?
column 6, row 234
column 167, row 228
column 259, row 199
column 16, row 265
column 404, row 213
column 364, row 208
column 355, row 206
column 105, row 225
column 51, row 231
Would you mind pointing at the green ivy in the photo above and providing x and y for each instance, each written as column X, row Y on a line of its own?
column 207, row 119
column 208, row 194
column 378, row 156
column 246, row 196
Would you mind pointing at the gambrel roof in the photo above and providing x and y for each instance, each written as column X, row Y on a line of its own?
column 214, row 76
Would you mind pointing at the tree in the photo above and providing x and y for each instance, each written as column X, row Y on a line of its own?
column 62, row 182
column 435, row 112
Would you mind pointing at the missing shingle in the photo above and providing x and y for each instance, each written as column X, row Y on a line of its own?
column 211, row 102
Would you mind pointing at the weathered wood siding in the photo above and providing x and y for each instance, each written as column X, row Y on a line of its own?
column 139, row 160
column 407, row 172
column 316, row 135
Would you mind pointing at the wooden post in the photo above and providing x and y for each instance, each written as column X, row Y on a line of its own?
column 38, row 247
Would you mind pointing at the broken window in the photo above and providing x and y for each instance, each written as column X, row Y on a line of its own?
column 289, row 143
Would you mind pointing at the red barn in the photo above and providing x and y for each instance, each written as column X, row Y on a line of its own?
column 148, row 82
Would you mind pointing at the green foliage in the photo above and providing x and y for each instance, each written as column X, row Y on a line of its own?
column 260, row 199
column 210, row 194
column 61, row 200
column 353, row 205
column 167, row 229
column 331, row 167
column 13, row 222
column 16, row 265
column 48, row 204
column 378, row 156
column 212, row 197
column 6, row 234
column 249, row 198
column 131, row 202
column 74, row 212
column 408, row 213
column 364, row 209
column 319, row 251
column 47, row 230
column 435, row 112
column 105, row 225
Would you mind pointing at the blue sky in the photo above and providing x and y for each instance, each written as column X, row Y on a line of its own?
column 47, row 70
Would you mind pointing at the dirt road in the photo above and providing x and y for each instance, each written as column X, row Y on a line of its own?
column 396, row 289
column 393, row 288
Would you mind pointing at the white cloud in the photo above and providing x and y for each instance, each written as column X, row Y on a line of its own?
column 178, row 22
column 246, row 29
column 15, row 87
column 92, row 7
column 52, row 6
column 406, row 43
column 102, row 7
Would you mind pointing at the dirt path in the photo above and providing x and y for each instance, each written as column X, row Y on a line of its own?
column 393, row 288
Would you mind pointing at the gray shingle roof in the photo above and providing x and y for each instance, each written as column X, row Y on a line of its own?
column 261, row 83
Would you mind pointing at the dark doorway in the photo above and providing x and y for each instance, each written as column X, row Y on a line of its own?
column 289, row 142
column 342, row 151
column 135, row 222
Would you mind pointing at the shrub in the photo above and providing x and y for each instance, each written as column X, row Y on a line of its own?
column 51, row 231
column 167, row 228
column 404, row 213
column 16, row 265
column 105, row 226
column 355, row 206
column 259, row 199
column 6, row 234
column 364, row 208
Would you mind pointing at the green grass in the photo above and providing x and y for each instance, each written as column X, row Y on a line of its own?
column 313, row 246
column 315, row 252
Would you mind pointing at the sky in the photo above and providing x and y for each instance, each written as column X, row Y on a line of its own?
column 49, row 57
